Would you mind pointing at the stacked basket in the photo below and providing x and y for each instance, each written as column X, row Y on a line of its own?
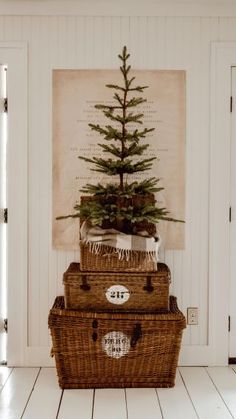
column 116, row 327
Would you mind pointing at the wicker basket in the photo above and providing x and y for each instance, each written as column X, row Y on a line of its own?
column 115, row 349
column 110, row 262
column 117, row 291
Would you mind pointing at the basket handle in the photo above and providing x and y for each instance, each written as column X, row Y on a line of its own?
column 137, row 333
column 84, row 286
column 148, row 287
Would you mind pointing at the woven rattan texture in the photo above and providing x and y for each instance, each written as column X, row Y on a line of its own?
column 144, row 291
column 108, row 260
column 82, row 361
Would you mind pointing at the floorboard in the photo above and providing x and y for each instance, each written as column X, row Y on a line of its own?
column 141, row 401
column 4, row 374
column 110, row 403
column 199, row 393
column 76, row 404
column 45, row 398
column 181, row 405
column 16, row 392
column 204, row 395
column 225, row 381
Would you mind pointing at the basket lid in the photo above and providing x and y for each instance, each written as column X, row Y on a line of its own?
column 173, row 315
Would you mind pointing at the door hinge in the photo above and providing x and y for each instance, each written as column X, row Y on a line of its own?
column 231, row 103
column 230, row 214
column 3, row 363
column 5, row 325
column 229, row 324
column 5, row 104
column 3, row 215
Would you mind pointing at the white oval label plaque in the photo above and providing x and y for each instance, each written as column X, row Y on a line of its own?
column 117, row 294
column 116, row 344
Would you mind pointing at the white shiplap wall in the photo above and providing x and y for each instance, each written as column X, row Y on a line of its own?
column 94, row 42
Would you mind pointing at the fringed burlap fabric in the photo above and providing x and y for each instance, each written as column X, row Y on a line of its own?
column 111, row 240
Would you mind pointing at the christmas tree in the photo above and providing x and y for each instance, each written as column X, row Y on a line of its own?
column 123, row 204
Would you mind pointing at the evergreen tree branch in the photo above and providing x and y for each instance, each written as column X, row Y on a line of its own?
column 96, row 211
column 135, row 149
column 135, row 102
column 106, row 107
column 130, row 82
column 144, row 187
column 138, row 89
column 136, row 135
column 118, row 98
column 116, row 87
column 108, row 132
column 117, row 167
column 115, row 151
column 105, row 206
column 143, row 164
column 134, row 118
column 125, row 119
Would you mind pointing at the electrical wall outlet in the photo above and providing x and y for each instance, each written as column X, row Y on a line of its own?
column 192, row 315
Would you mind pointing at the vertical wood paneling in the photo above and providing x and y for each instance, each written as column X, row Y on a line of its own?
column 195, row 189
column 125, row 32
column 35, row 282
column 116, row 42
column 45, row 158
column 227, row 29
column 94, row 42
column 209, row 30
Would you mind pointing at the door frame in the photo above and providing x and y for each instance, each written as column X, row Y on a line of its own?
column 14, row 54
column 232, row 284
column 223, row 57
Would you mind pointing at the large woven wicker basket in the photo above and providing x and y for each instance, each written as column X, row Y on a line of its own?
column 117, row 291
column 108, row 260
column 115, row 349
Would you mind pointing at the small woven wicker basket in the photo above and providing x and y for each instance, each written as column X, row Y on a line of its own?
column 108, row 260
column 117, row 291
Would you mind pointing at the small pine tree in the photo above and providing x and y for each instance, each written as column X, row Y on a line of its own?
column 122, row 204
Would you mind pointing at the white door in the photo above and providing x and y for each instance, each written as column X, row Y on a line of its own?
column 3, row 211
column 13, row 195
column 232, row 333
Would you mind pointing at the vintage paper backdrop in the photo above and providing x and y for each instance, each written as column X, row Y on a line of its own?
column 75, row 92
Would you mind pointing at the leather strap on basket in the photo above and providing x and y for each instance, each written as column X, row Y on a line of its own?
column 84, row 286
column 137, row 333
column 94, row 326
column 148, row 287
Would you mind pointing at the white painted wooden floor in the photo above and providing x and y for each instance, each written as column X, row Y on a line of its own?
column 33, row 393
